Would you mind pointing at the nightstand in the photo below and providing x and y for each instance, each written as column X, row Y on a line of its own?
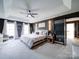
column 50, row 39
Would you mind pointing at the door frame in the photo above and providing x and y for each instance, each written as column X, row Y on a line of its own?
column 66, row 29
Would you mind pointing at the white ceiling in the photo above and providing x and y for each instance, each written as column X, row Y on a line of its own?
column 46, row 9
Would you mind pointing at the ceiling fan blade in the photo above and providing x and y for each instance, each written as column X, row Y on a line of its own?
column 32, row 16
column 23, row 13
column 34, row 13
column 25, row 9
column 34, row 9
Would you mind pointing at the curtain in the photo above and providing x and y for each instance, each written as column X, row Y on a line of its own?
column 16, row 32
column 4, row 28
column 26, row 29
column 22, row 32
column 1, row 25
column 10, row 28
column 36, row 27
column 19, row 28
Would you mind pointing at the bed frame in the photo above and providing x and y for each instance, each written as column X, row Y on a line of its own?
column 38, row 43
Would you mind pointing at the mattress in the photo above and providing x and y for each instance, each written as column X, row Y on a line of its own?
column 14, row 49
column 37, row 38
column 31, row 38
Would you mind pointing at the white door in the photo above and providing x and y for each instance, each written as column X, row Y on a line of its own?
column 70, row 31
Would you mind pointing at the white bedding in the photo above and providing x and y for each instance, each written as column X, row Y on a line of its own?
column 14, row 49
column 31, row 38
column 35, row 37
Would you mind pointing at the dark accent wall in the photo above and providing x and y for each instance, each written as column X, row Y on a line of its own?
column 1, row 25
column 32, row 26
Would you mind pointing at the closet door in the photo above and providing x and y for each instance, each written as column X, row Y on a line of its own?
column 59, row 26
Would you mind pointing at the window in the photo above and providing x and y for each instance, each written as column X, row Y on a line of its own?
column 26, row 29
column 10, row 29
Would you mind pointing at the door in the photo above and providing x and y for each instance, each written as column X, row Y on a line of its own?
column 70, row 31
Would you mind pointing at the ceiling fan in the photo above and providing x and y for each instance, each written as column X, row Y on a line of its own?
column 28, row 11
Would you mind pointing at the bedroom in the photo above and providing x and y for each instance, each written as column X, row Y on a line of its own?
column 42, row 25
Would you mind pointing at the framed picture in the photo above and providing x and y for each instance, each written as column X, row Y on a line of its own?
column 41, row 25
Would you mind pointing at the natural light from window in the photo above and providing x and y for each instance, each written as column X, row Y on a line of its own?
column 26, row 29
column 10, row 29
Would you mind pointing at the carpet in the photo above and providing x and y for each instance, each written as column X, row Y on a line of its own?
column 55, row 51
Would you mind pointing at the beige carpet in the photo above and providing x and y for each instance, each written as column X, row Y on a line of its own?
column 55, row 51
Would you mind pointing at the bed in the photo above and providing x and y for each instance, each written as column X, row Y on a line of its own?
column 32, row 40
column 15, row 49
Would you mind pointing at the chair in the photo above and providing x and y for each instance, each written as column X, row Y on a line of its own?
column 5, row 37
column 1, row 37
